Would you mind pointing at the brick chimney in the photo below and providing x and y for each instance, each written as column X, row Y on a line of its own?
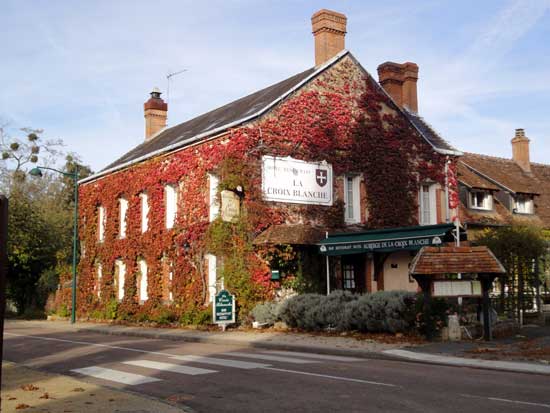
column 156, row 113
column 399, row 80
column 520, row 150
column 329, row 30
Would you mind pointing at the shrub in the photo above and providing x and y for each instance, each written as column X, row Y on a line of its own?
column 384, row 311
column 267, row 312
column 293, row 310
column 435, row 320
column 330, row 312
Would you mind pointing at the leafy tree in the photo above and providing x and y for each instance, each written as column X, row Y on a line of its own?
column 40, row 216
column 519, row 248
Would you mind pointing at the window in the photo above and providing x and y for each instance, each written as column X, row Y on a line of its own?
column 123, row 204
column 481, row 200
column 167, row 278
column 144, row 211
column 213, row 197
column 428, row 213
column 524, row 205
column 120, row 276
column 142, row 280
column 348, row 271
column 101, row 223
column 171, row 197
column 99, row 277
column 352, row 199
column 212, row 276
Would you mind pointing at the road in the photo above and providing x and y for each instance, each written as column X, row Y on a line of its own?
column 219, row 378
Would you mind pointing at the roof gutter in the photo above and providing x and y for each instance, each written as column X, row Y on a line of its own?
column 216, row 131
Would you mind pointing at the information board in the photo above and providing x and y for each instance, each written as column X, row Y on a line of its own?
column 224, row 308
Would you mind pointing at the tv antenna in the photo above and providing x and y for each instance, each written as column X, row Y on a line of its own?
column 169, row 76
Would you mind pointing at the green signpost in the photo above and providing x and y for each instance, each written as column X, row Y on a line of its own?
column 224, row 309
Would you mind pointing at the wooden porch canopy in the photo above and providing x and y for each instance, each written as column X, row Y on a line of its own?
column 386, row 240
column 454, row 260
column 432, row 263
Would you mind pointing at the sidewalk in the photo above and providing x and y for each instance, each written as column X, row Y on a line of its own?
column 25, row 389
column 443, row 353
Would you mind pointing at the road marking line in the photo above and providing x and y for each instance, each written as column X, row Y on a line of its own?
column 305, row 373
column 221, row 362
column 313, row 355
column 268, row 357
column 498, row 399
column 173, row 368
column 123, row 377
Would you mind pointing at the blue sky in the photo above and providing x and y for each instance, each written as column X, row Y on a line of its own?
column 82, row 73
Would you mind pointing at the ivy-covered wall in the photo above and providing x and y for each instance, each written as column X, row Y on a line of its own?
column 340, row 117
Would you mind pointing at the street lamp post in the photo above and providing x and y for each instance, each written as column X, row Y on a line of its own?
column 74, row 176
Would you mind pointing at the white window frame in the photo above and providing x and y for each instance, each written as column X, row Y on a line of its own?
column 171, row 205
column 214, row 205
column 352, row 208
column 102, row 219
column 99, row 272
column 121, row 266
column 524, row 204
column 212, row 276
column 144, row 200
column 486, row 204
column 431, row 203
column 123, row 206
column 143, row 284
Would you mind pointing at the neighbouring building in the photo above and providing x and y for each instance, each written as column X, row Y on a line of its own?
column 328, row 179
column 497, row 191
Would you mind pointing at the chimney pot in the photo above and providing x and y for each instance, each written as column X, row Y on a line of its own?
column 399, row 81
column 329, row 31
column 156, row 114
column 520, row 150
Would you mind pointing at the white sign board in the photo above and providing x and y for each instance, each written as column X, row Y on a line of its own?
column 456, row 288
column 298, row 182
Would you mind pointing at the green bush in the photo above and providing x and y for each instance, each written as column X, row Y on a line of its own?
column 293, row 310
column 63, row 311
column 111, row 310
column 384, row 311
column 267, row 312
column 197, row 316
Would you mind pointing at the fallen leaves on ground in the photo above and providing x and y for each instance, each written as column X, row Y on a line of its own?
column 527, row 350
column 78, row 389
column 29, row 387
column 22, row 406
column 45, row 396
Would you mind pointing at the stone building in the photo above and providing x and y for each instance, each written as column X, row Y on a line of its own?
column 328, row 166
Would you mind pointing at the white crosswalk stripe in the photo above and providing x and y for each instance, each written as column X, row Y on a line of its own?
column 292, row 360
column 173, row 368
column 117, row 376
column 314, row 356
column 221, row 362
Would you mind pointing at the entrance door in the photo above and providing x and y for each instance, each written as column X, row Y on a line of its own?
column 353, row 273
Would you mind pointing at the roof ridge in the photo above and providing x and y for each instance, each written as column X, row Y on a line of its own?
column 178, row 143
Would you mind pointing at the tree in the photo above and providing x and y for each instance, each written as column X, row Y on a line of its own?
column 40, row 216
column 519, row 247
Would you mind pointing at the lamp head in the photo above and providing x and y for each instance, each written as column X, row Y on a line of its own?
column 35, row 172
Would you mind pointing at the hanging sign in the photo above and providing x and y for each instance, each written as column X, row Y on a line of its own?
column 298, row 182
column 224, row 308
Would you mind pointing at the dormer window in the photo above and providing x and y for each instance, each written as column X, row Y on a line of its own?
column 481, row 200
column 524, row 205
